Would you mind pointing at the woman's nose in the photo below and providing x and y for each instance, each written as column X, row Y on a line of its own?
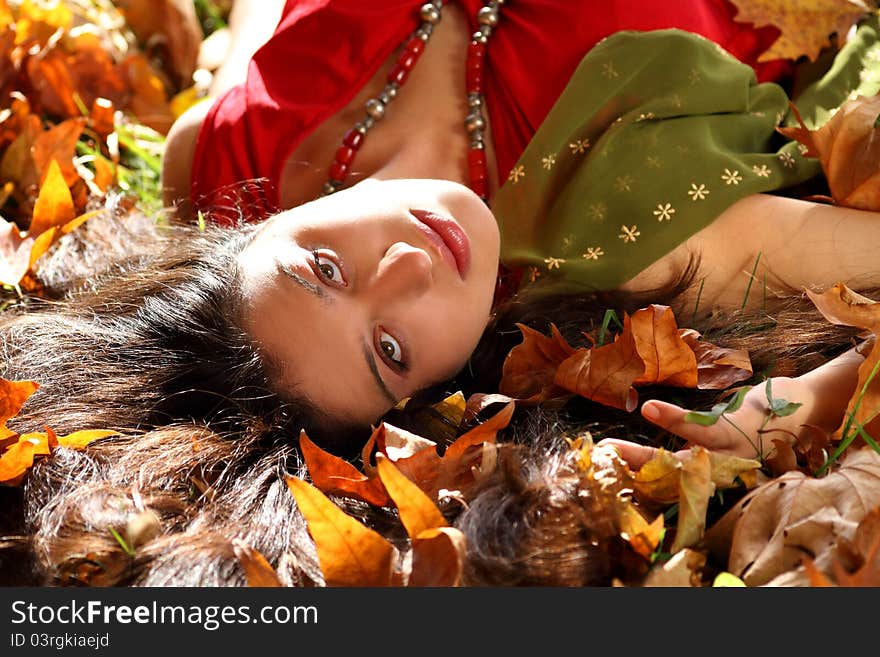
column 404, row 272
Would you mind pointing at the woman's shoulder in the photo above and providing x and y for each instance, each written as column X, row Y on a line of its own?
column 180, row 148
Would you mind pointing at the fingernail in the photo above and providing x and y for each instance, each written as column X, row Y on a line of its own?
column 650, row 412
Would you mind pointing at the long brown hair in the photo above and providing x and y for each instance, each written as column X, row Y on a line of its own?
column 146, row 339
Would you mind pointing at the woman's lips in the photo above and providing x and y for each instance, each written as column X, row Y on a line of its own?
column 449, row 237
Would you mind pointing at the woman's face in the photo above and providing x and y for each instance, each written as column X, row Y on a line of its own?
column 366, row 296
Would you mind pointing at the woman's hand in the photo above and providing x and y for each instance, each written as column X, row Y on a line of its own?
column 746, row 432
column 821, row 396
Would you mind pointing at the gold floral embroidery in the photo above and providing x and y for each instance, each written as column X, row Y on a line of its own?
column 534, row 273
column 608, row 70
column 629, row 234
column 597, row 211
column 579, row 146
column 622, row 183
column 593, row 253
column 553, row 263
column 762, row 171
column 731, row 177
column 548, row 161
column 664, row 212
column 787, row 160
column 653, row 161
column 517, row 172
column 698, row 192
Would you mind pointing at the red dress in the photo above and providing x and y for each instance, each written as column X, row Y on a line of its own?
column 324, row 51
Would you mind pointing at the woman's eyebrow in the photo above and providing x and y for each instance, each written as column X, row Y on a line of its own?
column 299, row 280
column 374, row 370
column 322, row 294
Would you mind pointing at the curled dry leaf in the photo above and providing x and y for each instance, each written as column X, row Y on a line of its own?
column 848, row 148
column 764, row 536
column 529, row 371
column 840, row 305
column 438, row 557
column 649, row 350
column 457, row 469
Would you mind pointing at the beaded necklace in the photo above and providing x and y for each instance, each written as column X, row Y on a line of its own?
column 475, row 121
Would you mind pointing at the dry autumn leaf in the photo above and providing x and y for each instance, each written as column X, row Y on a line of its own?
column 530, row 368
column 13, row 395
column 417, row 512
column 257, row 571
column 649, row 350
column 18, row 458
column 764, row 536
column 840, row 305
column 848, row 148
column 336, row 476
column 349, row 552
column 805, row 25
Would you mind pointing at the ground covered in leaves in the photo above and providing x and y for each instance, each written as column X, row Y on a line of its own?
column 88, row 89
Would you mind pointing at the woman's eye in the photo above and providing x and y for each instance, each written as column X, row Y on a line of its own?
column 390, row 348
column 328, row 268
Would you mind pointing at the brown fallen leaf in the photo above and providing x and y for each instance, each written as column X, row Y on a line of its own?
column 840, row 305
column 170, row 31
column 805, row 25
column 529, row 371
column 765, row 535
column 848, row 148
column 257, row 571
column 437, row 557
column 605, row 374
column 649, row 350
column 336, row 476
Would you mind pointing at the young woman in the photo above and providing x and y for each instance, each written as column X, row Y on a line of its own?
column 209, row 350
column 604, row 168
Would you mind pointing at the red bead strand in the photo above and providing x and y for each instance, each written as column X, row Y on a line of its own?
column 413, row 47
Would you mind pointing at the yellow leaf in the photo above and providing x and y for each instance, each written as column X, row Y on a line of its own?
column 54, row 206
column 349, row 553
column 417, row 512
column 696, row 490
column 643, row 537
column 805, row 25
column 79, row 439
column 727, row 579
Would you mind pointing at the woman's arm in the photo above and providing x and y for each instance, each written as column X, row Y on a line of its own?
column 251, row 23
column 823, row 394
column 795, row 244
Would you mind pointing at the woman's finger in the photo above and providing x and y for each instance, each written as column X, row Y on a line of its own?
column 672, row 418
column 634, row 454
